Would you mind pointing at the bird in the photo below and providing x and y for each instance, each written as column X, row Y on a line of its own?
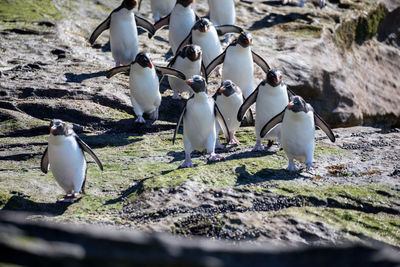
column 65, row 155
column 123, row 23
column 222, row 12
column 297, row 131
column 271, row 96
column 229, row 99
column 160, row 8
column 199, row 117
column 205, row 34
column 189, row 61
column 180, row 21
column 144, row 80
column 237, row 61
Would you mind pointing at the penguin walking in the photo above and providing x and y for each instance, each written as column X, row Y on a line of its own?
column 222, row 12
column 271, row 96
column 297, row 132
column 160, row 8
column 123, row 23
column 229, row 99
column 238, row 61
column 205, row 34
column 189, row 61
column 199, row 118
column 180, row 21
column 65, row 156
column 144, row 85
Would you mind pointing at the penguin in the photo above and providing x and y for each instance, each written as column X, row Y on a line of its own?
column 122, row 23
column 160, row 8
column 180, row 21
column 65, row 156
column 237, row 62
column 229, row 99
column 297, row 132
column 222, row 12
column 189, row 61
column 144, row 84
column 199, row 118
column 271, row 96
column 205, row 35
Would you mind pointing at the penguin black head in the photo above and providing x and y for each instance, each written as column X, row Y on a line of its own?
column 274, row 77
column 184, row 3
column 193, row 52
column 297, row 104
column 144, row 60
column 227, row 88
column 58, row 127
column 197, row 83
column 129, row 4
column 245, row 39
column 202, row 25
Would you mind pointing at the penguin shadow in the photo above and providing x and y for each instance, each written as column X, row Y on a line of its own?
column 22, row 203
column 180, row 156
column 248, row 154
column 267, row 174
column 107, row 139
column 132, row 128
column 273, row 19
column 277, row 3
column 126, row 193
column 159, row 38
column 104, row 48
column 79, row 78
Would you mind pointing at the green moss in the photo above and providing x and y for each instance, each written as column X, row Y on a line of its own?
column 367, row 26
column 302, row 30
column 29, row 10
column 353, row 224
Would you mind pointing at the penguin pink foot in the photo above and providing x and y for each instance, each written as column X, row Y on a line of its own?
column 187, row 163
column 154, row 115
column 258, row 146
column 140, row 120
column 176, row 96
column 292, row 166
column 215, row 157
column 218, row 145
column 233, row 140
column 68, row 198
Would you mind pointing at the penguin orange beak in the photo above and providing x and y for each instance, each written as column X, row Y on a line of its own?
column 135, row 2
column 221, row 89
column 150, row 65
column 290, row 105
column 52, row 129
column 249, row 41
column 189, row 81
column 277, row 80
column 196, row 55
column 204, row 29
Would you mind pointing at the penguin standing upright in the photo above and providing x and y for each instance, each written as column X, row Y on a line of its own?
column 122, row 23
column 205, row 34
column 189, row 61
column 222, row 12
column 160, row 8
column 229, row 98
column 237, row 62
column 180, row 21
column 65, row 156
column 144, row 84
column 297, row 132
column 271, row 96
column 199, row 118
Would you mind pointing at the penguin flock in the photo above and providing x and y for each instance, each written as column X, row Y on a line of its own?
column 281, row 116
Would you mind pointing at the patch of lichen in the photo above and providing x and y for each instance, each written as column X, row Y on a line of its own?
column 302, row 30
column 353, row 224
column 367, row 26
column 29, row 10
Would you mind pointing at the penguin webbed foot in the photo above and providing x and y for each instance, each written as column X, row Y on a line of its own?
column 186, row 164
column 309, row 166
column 215, row 157
column 140, row 120
column 291, row 167
column 258, row 148
column 176, row 96
column 68, row 198
column 218, row 145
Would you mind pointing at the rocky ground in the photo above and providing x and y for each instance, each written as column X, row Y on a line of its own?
column 48, row 70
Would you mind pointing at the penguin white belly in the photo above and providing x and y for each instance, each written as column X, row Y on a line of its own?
column 144, row 88
column 67, row 162
column 222, row 12
column 180, row 24
column 297, row 135
column 270, row 102
column 229, row 107
column 209, row 43
column 187, row 67
column 161, row 8
column 199, row 123
column 238, row 67
column 123, row 37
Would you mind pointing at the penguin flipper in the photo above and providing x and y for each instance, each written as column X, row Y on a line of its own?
column 204, row 71
column 260, row 62
column 218, row 60
column 44, row 163
column 272, row 122
column 140, row 5
column 186, row 41
column 290, row 92
column 224, row 29
column 161, row 71
column 178, row 124
column 101, row 28
column 324, row 127
column 162, row 22
column 247, row 104
column 117, row 70
column 86, row 148
column 222, row 122
column 145, row 24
